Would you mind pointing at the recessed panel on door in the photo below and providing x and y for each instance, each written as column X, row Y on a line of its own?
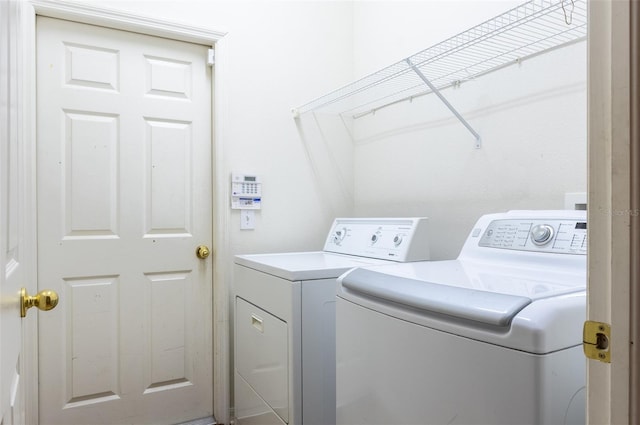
column 91, row 174
column 170, row 78
column 92, row 335
column 169, row 346
column 169, row 177
column 92, row 67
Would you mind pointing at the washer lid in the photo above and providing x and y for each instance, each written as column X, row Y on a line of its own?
column 486, row 293
column 295, row 266
column 466, row 303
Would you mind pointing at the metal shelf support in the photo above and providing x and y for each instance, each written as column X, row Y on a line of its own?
column 444, row 100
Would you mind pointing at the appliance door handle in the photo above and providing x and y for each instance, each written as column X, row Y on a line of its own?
column 256, row 322
column 471, row 304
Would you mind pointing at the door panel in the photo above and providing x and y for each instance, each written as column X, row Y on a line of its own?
column 124, row 199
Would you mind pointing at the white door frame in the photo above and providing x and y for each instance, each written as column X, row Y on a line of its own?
column 26, row 80
column 613, row 210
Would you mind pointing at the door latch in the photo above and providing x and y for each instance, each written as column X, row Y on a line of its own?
column 596, row 341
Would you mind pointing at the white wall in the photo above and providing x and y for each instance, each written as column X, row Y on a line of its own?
column 387, row 31
column 416, row 159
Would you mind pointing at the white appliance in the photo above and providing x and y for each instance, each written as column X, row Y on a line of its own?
column 284, row 369
column 493, row 337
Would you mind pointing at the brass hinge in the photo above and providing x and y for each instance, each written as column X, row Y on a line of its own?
column 596, row 342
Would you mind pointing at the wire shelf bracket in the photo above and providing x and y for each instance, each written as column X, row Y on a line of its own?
column 444, row 100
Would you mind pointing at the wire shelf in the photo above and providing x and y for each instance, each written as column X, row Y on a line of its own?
column 527, row 30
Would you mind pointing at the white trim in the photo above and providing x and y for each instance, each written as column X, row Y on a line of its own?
column 111, row 18
column 609, row 207
column 221, row 271
column 83, row 13
column 26, row 105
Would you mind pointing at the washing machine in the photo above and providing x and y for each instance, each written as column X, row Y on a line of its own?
column 284, row 350
column 492, row 337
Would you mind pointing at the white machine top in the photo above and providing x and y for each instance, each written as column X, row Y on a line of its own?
column 510, row 278
column 351, row 242
column 296, row 266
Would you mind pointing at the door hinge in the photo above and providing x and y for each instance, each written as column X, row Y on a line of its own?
column 596, row 341
column 211, row 57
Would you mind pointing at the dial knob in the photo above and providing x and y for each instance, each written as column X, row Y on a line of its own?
column 339, row 235
column 397, row 240
column 541, row 234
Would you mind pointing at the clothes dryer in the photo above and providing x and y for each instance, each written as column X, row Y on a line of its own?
column 493, row 337
column 284, row 351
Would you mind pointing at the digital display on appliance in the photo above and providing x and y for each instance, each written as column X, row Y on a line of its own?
column 581, row 225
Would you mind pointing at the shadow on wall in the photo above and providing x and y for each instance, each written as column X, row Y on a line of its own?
column 328, row 144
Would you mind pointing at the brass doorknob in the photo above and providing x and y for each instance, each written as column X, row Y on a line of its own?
column 202, row 252
column 45, row 300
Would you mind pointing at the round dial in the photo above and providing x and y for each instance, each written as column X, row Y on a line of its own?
column 541, row 234
column 397, row 240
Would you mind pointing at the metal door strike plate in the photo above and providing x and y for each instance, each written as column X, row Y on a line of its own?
column 596, row 341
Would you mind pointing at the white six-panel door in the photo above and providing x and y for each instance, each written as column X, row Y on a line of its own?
column 124, row 199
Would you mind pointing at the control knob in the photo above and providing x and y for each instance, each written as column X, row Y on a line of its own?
column 339, row 235
column 397, row 240
column 541, row 234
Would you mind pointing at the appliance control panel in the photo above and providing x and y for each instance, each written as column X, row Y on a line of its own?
column 397, row 239
column 246, row 192
column 543, row 235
